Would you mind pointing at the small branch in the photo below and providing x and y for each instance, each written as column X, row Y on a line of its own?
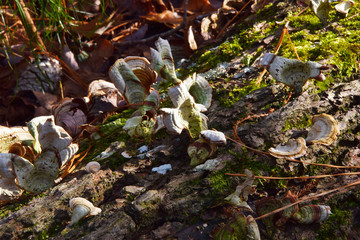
column 322, row 164
column 228, row 23
column 296, row 178
column 28, row 24
column 309, row 198
column 252, row 149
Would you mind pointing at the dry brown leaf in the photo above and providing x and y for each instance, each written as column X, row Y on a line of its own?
column 70, row 114
column 167, row 17
column 16, row 111
column 259, row 4
column 191, row 39
column 135, row 7
column 199, row 6
column 97, row 26
column 103, row 49
column 69, row 58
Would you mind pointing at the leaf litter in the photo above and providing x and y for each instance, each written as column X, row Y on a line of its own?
column 99, row 56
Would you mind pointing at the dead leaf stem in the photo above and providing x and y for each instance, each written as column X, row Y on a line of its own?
column 29, row 25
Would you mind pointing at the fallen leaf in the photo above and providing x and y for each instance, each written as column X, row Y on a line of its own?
column 199, row 6
column 70, row 114
column 69, row 58
column 103, row 49
column 166, row 16
column 191, row 39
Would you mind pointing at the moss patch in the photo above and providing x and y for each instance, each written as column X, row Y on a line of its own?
column 7, row 209
column 332, row 228
column 227, row 97
column 299, row 122
column 338, row 44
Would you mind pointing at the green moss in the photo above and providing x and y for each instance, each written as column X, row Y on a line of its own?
column 224, row 53
column 268, row 12
column 302, row 121
column 115, row 161
column 245, row 161
column 124, row 114
column 110, row 127
column 235, row 228
column 313, row 170
column 51, row 230
column 230, row 49
column 307, row 20
column 26, row 197
column 339, row 44
column 324, row 85
column 166, row 103
column 219, row 181
column 228, row 98
column 43, row 235
column 331, row 228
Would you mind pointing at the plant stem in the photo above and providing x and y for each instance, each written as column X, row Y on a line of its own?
column 29, row 25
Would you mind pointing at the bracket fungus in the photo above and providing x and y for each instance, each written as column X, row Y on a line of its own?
column 132, row 77
column 187, row 113
column 200, row 89
column 294, row 148
column 144, row 122
column 80, row 208
column 240, row 196
column 311, row 214
column 162, row 61
column 8, row 136
column 186, row 116
column 8, row 188
column 205, row 146
column 55, row 149
column 292, row 72
column 321, row 8
column 344, row 7
column 238, row 227
column 324, row 129
column 92, row 167
column 305, row 214
column 141, row 67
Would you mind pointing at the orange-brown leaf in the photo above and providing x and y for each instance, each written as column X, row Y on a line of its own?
column 167, row 16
